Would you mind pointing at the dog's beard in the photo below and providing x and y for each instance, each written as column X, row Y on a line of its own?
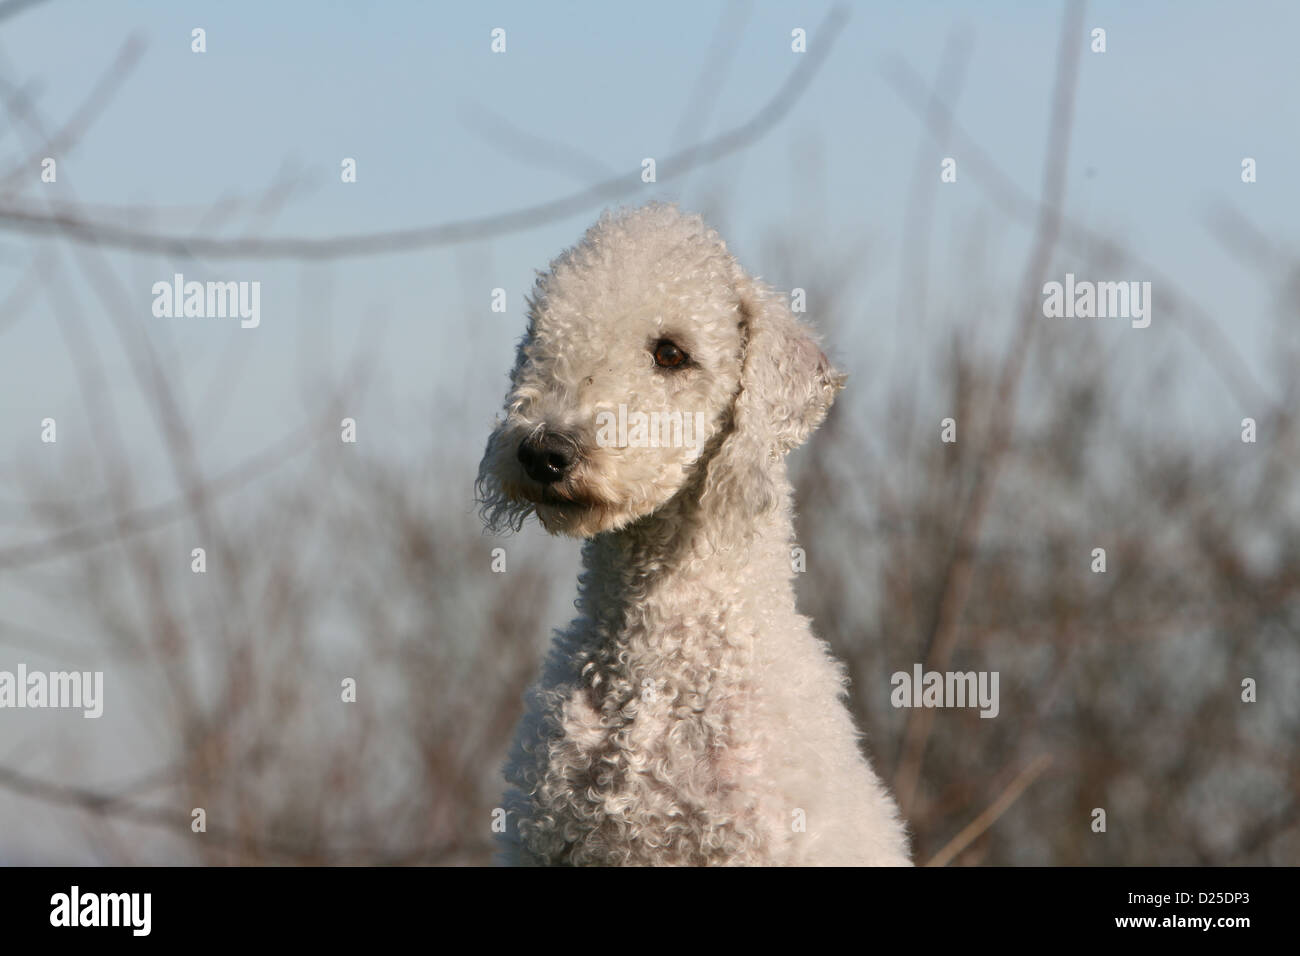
column 574, row 509
column 585, row 503
column 569, row 508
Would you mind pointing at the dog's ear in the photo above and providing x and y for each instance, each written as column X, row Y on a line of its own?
column 785, row 370
column 787, row 386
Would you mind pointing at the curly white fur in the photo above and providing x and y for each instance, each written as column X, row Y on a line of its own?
column 689, row 715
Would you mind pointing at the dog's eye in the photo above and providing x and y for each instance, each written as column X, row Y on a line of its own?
column 668, row 355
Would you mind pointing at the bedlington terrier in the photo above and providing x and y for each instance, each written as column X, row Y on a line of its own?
column 689, row 715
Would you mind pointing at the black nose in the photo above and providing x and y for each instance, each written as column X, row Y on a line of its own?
column 546, row 457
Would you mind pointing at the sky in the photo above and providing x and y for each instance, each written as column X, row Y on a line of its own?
column 1183, row 92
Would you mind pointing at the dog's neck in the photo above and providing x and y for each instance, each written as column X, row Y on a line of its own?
column 686, row 539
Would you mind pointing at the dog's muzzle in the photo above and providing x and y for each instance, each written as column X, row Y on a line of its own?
column 547, row 457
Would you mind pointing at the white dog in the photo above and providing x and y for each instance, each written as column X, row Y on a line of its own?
column 689, row 715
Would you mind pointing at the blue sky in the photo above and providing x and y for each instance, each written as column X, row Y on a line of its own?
column 1184, row 91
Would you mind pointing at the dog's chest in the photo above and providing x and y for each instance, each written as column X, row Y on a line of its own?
column 670, row 694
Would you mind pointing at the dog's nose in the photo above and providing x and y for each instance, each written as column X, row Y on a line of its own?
column 546, row 457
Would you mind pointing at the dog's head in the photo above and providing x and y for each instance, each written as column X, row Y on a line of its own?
column 650, row 359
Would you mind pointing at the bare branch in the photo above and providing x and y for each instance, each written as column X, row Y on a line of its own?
column 972, row 831
column 12, row 8
column 1218, row 350
column 83, row 117
column 521, row 145
column 960, row 571
column 28, row 221
column 104, row 804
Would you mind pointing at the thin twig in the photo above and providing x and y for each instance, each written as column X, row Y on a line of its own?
column 960, row 571
column 1217, row 349
column 101, row 94
column 179, row 821
column 13, row 7
column 976, row 827
column 465, row 230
